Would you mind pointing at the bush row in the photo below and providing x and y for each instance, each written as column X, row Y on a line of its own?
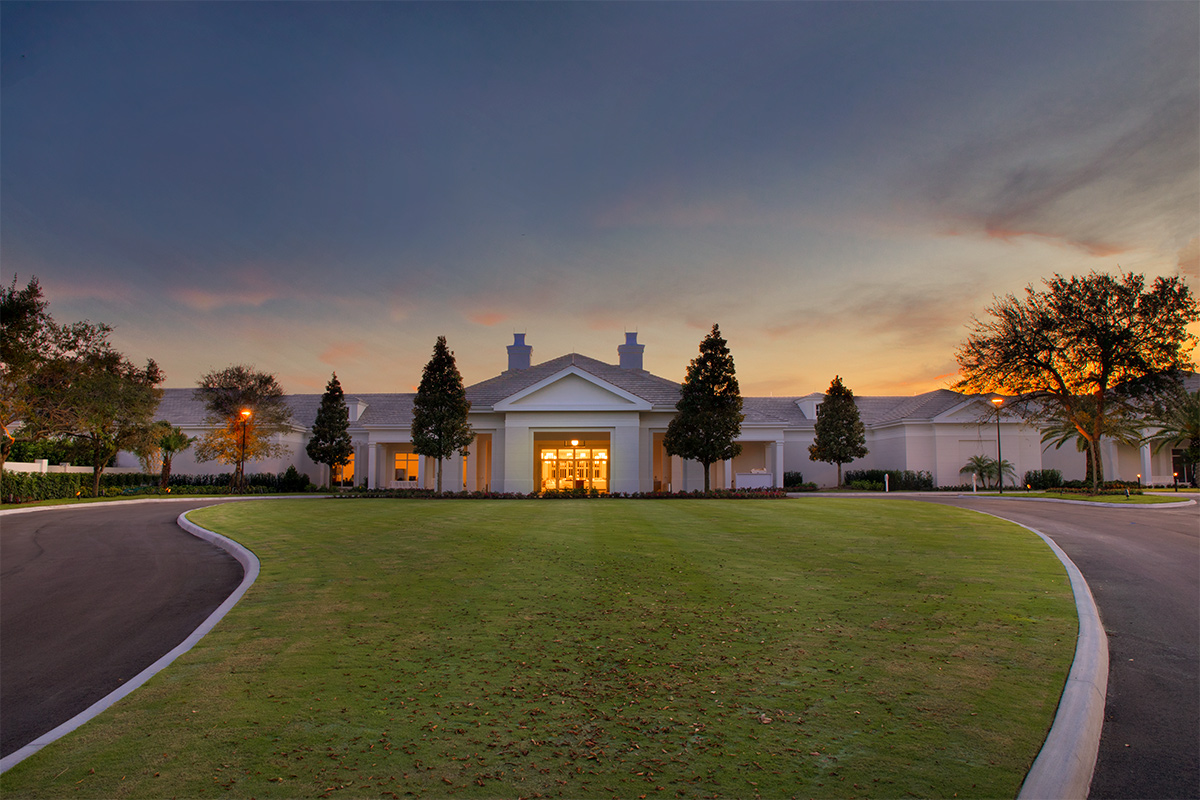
column 29, row 487
column 573, row 494
column 899, row 480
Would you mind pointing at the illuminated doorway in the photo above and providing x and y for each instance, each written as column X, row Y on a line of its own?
column 344, row 475
column 566, row 462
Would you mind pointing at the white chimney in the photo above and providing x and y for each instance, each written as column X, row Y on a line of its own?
column 519, row 354
column 630, row 353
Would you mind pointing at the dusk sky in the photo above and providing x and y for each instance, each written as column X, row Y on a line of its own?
column 311, row 187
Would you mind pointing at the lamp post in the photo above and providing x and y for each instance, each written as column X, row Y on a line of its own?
column 999, row 401
column 242, row 454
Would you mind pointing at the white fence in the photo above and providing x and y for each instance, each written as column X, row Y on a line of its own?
column 42, row 465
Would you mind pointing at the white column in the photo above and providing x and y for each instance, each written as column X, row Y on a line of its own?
column 778, row 464
column 727, row 478
column 624, row 458
column 518, row 458
column 1146, row 464
column 677, row 479
column 373, row 466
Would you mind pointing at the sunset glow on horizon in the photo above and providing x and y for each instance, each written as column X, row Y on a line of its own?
column 842, row 187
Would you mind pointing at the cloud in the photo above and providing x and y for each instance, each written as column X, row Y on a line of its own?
column 487, row 318
column 1189, row 259
column 1107, row 172
column 908, row 312
column 338, row 353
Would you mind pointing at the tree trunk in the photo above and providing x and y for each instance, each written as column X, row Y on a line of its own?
column 166, row 472
column 839, row 483
column 707, row 468
column 1095, row 468
column 439, row 476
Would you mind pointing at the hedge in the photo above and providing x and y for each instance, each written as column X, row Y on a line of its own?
column 29, row 487
column 899, row 480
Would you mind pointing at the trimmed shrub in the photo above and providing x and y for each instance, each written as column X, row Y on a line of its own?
column 793, row 479
column 1040, row 479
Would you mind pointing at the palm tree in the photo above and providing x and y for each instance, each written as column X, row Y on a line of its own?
column 173, row 441
column 1066, row 427
column 1005, row 468
column 983, row 466
column 1179, row 423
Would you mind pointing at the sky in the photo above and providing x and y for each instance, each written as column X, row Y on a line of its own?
column 842, row 187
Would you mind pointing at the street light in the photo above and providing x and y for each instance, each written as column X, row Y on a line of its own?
column 242, row 455
column 999, row 401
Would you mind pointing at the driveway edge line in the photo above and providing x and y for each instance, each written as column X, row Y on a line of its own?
column 250, row 565
column 1064, row 766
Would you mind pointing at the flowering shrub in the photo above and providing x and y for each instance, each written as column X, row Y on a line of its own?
column 569, row 494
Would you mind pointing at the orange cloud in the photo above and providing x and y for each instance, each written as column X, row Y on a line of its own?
column 487, row 318
column 339, row 353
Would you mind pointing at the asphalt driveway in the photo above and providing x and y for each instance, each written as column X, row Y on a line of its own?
column 1143, row 566
column 89, row 597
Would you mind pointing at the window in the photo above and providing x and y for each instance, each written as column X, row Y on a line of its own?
column 406, row 468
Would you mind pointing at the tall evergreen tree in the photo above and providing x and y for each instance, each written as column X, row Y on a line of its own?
column 330, row 441
column 709, row 412
column 840, row 435
column 439, row 427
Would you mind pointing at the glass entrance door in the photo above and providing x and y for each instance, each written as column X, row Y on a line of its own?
column 568, row 468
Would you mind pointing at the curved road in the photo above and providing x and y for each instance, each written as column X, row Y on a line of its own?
column 90, row 596
column 1143, row 567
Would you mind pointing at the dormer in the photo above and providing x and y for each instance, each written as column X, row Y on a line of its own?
column 810, row 405
column 356, row 406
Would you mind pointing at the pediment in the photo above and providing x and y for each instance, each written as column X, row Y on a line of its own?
column 971, row 411
column 572, row 389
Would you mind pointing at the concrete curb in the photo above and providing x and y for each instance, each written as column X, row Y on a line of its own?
column 973, row 496
column 249, row 564
column 1064, row 766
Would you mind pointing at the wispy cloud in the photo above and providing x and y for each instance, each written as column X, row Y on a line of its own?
column 339, row 354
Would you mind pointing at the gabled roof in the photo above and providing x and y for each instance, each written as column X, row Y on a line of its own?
column 651, row 388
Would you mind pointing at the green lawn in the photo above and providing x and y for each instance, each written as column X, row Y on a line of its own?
column 808, row 648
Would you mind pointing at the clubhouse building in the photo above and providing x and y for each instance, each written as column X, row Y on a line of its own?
column 575, row 421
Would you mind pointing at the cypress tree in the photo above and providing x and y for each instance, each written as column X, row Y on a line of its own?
column 709, row 412
column 840, row 435
column 439, row 427
column 330, row 441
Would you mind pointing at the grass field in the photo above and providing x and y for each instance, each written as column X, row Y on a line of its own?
column 797, row 648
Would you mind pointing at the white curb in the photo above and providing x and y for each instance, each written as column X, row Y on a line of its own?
column 249, row 563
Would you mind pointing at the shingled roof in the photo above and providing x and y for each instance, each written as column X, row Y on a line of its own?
column 651, row 388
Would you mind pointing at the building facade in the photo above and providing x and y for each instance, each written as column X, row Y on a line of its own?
column 575, row 421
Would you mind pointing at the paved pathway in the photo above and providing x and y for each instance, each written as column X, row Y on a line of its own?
column 1143, row 567
column 91, row 596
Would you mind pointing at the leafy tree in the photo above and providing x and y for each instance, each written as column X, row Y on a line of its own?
column 236, row 437
column 330, row 442
column 840, row 436
column 147, row 448
column 27, row 337
column 1178, row 422
column 709, row 413
column 92, row 393
column 439, row 427
column 1100, row 337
